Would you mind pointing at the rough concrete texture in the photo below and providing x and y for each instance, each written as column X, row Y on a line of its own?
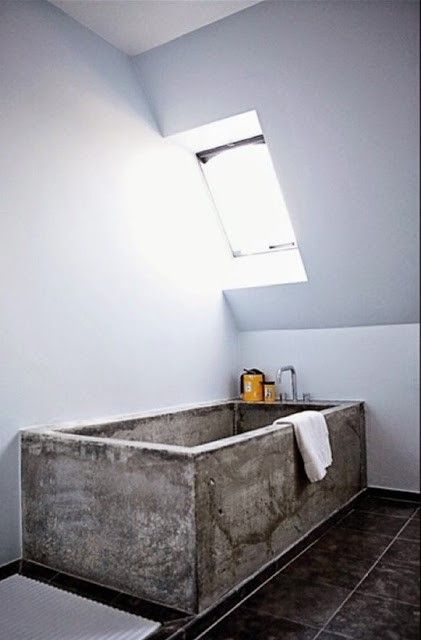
column 254, row 416
column 182, row 522
column 117, row 515
column 187, row 428
column 253, row 499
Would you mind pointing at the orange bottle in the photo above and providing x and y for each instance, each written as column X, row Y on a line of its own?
column 269, row 392
column 252, row 381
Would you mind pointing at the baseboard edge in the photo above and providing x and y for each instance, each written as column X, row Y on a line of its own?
column 396, row 494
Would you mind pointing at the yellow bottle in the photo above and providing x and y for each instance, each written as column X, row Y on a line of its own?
column 269, row 391
column 252, row 385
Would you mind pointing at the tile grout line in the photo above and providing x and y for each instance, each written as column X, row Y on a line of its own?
column 53, row 578
column 387, row 515
column 203, row 633
column 271, row 577
column 312, row 627
column 363, row 578
column 260, row 587
column 323, row 629
column 413, row 516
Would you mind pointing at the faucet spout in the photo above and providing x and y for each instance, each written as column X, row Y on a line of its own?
column 291, row 369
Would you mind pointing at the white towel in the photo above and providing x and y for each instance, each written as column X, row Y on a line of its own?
column 312, row 438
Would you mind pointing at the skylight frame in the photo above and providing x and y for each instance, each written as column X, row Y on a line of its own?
column 204, row 156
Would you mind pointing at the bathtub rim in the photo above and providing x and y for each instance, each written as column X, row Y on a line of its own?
column 62, row 432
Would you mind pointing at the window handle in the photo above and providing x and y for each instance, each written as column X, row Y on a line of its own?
column 285, row 245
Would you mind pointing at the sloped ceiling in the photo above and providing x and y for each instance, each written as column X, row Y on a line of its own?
column 134, row 26
column 335, row 87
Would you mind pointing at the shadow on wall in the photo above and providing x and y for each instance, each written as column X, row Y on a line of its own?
column 10, row 534
column 109, row 73
column 381, row 442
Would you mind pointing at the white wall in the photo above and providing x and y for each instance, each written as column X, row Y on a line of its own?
column 109, row 253
column 379, row 365
column 336, row 87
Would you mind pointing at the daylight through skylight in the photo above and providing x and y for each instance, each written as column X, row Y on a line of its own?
column 247, row 195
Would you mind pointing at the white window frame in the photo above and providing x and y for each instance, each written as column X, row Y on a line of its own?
column 203, row 157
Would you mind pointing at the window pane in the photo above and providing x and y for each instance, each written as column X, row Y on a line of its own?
column 247, row 195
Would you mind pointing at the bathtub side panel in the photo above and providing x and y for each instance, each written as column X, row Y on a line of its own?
column 254, row 500
column 116, row 515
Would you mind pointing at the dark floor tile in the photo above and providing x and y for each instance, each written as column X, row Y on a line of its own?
column 406, row 552
column 412, row 530
column 372, row 523
column 36, row 571
column 147, row 609
column 384, row 506
column 169, row 629
column 9, row 569
column 400, row 582
column 340, row 542
column 161, row 634
column 364, row 617
column 244, row 624
column 330, row 636
column 317, row 565
column 298, row 600
column 84, row 588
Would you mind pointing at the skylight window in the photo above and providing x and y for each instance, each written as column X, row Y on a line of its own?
column 247, row 196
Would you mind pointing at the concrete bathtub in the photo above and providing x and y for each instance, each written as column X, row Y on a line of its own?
column 180, row 507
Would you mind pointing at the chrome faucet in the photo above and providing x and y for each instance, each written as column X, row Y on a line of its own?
column 293, row 380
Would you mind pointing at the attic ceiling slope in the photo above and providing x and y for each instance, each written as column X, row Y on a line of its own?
column 135, row 26
column 303, row 306
column 335, row 87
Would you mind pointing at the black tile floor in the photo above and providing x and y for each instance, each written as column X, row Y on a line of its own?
column 360, row 579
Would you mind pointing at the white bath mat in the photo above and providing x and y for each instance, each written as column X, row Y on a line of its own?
column 31, row 610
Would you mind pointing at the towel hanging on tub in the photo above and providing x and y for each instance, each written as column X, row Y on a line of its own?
column 312, row 436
